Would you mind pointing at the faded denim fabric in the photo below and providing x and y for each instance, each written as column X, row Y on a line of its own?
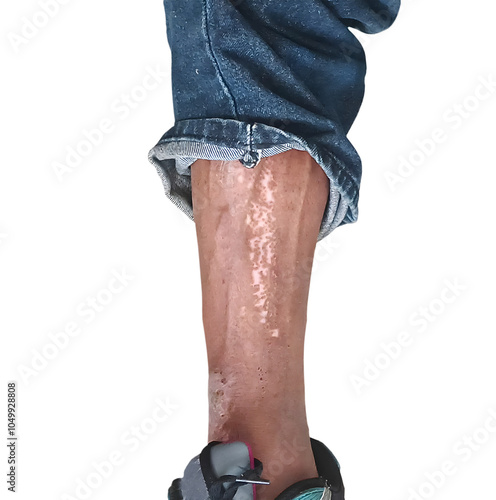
column 253, row 78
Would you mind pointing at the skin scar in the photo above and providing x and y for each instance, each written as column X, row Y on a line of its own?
column 261, row 220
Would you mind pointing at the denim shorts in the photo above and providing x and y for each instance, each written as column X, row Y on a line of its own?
column 254, row 78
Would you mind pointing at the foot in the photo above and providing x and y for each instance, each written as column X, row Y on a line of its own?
column 229, row 471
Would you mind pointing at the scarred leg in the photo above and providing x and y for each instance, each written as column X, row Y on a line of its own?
column 257, row 230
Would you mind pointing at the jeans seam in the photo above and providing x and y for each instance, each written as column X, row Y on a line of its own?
column 212, row 56
column 250, row 137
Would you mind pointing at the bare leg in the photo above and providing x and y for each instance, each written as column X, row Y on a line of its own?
column 257, row 230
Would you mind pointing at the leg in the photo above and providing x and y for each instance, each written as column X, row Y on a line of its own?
column 257, row 230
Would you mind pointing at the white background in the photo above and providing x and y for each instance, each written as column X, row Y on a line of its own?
column 60, row 241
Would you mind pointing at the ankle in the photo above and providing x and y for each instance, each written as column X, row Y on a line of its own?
column 284, row 465
column 287, row 456
column 254, row 424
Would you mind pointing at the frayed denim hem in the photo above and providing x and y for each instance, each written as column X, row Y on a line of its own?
column 248, row 142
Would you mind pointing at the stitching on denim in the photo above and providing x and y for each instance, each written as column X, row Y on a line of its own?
column 211, row 54
column 348, row 181
column 338, row 167
column 249, row 137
